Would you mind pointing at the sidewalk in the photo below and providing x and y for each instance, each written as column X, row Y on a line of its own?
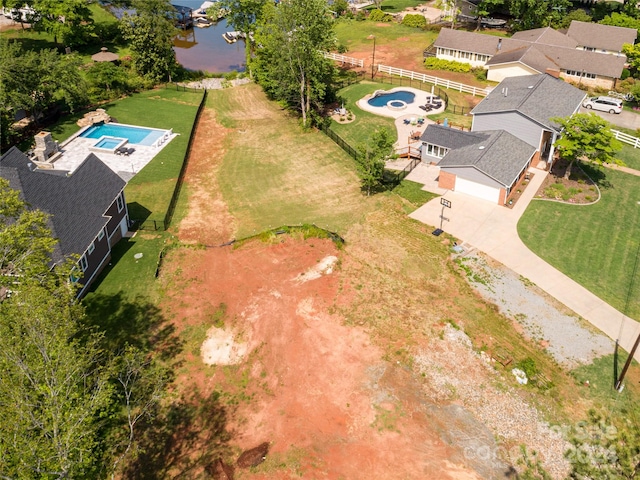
column 492, row 229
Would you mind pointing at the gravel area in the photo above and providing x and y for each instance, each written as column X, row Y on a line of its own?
column 512, row 420
column 216, row 83
column 570, row 340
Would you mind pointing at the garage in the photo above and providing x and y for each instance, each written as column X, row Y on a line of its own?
column 478, row 190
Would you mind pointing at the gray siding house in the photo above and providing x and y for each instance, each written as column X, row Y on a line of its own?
column 524, row 107
column 88, row 212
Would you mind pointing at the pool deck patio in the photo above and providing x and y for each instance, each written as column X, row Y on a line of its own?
column 76, row 149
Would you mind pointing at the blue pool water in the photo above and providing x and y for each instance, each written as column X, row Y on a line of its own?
column 109, row 143
column 135, row 135
column 384, row 98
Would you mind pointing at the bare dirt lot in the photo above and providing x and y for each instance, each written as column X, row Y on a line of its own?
column 340, row 359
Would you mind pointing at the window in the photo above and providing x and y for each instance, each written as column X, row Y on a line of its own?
column 466, row 55
column 101, row 235
column 575, row 73
column 590, row 49
column 83, row 263
column 120, row 203
column 91, row 248
column 436, row 151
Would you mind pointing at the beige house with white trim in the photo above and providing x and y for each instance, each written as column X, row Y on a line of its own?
column 541, row 50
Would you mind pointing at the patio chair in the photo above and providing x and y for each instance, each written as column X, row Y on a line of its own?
column 129, row 151
column 420, row 121
column 406, row 121
column 120, row 151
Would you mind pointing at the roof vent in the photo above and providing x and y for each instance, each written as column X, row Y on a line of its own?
column 481, row 147
column 530, row 87
column 499, row 43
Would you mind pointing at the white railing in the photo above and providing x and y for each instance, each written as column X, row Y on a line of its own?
column 626, row 138
column 344, row 59
column 461, row 87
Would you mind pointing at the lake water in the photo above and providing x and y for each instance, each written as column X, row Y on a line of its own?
column 205, row 49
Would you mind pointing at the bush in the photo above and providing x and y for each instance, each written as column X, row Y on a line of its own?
column 449, row 65
column 361, row 16
column 342, row 48
column 378, row 15
column 480, row 74
column 417, row 21
column 625, row 74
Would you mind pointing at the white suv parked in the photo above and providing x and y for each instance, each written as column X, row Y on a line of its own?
column 604, row 104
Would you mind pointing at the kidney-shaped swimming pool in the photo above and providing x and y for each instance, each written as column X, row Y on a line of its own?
column 382, row 99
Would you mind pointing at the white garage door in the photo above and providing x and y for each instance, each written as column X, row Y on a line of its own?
column 477, row 190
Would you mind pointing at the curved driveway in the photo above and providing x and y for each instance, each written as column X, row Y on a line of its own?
column 492, row 229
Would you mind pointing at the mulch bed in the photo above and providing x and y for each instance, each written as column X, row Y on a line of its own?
column 577, row 189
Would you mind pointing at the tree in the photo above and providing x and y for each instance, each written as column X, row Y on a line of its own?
column 54, row 385
column 633, row 57
column 371, row 159
column 290, row 64
column 537, row 13
column 36, row 80
column 107, row 76
column 67, row 20
column 140, row 385
column 621, row 20
column 25, row 239
column 602, row 449
column 586, row 136
column 578, row 14
column 150, row 33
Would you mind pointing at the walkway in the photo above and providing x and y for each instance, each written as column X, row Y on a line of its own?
column 492, row 229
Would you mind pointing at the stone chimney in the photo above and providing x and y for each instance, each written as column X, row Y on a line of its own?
column 553, row 72
column 45, row 146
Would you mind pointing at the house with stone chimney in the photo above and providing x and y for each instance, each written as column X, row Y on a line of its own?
column 87, row 209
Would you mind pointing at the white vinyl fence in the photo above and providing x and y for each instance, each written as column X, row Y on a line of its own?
column 344, row 59
column 626, row 138
column 461, row 87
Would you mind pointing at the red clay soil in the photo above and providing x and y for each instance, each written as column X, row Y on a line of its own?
column 316, row 389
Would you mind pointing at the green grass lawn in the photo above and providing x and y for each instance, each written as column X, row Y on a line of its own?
column 354, row 35
column 394, row 6
column 273, row 173
column 358, row 131
column 149, row 192
column 595, row 245
column 630, row 156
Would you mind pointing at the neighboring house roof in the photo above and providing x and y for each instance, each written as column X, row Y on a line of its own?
column 475, row 42
column 529, row 56
column 499, row 155
column 77, row 203
column 546, row 36
column 538, row 97
column 539, row 49
column 450, row 137
column 605, row 37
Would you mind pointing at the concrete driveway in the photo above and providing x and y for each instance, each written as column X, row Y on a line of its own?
column 492, row 229
column 624, row 119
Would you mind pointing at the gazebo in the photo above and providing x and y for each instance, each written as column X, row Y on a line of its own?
column 104, row 56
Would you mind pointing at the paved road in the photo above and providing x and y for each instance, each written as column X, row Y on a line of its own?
column 623, row 119
column 492, row 229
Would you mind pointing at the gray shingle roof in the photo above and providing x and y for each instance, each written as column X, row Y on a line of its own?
column 601, row 36
column 582, row 60
column 76, row 203
column 475, row 42
column 450, row 137
column 500, row 155
column 546, row 36
column 538, row 97
column 529, row 56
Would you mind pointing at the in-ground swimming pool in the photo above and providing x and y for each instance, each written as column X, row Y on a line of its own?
column 382, row 99
column 135, row 135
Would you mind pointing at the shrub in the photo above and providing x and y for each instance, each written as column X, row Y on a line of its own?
column 417, row 21
column 361, row 16
column 449, row 65
column 378, row 15
column 625, row 74
column 342, row 48
column 480, row 74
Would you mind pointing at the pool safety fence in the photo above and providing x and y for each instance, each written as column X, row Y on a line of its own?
column 342, row 143
column 179, row 182
column 164, row 223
